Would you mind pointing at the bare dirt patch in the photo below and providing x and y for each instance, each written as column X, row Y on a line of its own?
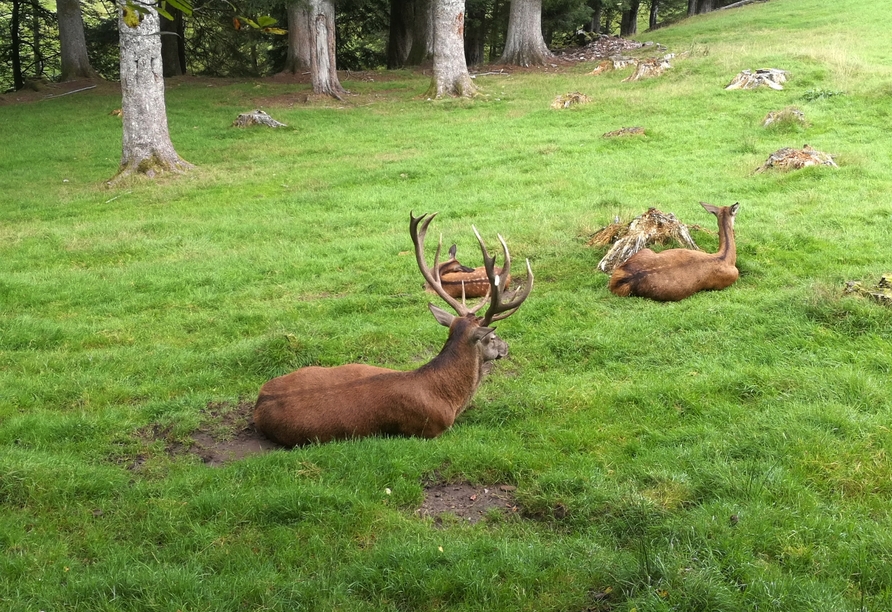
column 466, row 503
column 226, row 434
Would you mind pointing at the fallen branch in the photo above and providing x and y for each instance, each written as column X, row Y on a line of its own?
column 741, row 3
column 68, row 93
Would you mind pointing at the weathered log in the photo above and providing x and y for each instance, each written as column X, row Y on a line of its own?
column 256, row 117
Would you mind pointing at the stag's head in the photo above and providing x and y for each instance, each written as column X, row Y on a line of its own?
column 500, row 305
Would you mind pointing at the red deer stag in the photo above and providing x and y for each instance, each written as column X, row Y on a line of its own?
column 317, row 404
column 674, row 274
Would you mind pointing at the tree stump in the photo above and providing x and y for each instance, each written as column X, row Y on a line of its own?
column 880, row 293
column 569, row 99
column 787, row 116
column 648, row 68
column 256, row 117
column 795, row 159
column 652, row 227
column 771, row 77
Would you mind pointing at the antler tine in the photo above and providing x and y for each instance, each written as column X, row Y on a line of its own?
column 433, row 278
column 498, row 310
column 515, row 300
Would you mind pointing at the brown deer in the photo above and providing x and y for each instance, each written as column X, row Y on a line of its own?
column 674, row 274
column 459, row 280
column 317, row 404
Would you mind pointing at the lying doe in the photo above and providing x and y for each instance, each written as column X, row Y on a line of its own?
column 461, row 281
column 675, row 274
column 317, row 404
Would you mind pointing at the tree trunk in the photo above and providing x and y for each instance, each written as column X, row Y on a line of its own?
column 654, row 9
column 173, row 43
column 475, row 36
column 399, row 39
column 147, row 149
column 72, row 43
column 706, row 6
column 298, row 57
column 422, row 33
column 524, row 45
column 692, row 8
column 629, row 22
column 317, row 19
column 18, row 80
column 597, row 14
column 451, row 76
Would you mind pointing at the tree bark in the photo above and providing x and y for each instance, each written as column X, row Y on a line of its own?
column 654, row 9
column 298, row 57
column 18, row 80
column 524, row 44
column 597, row 14
column 629, row 22
column 72, row 43
column 692, row 8
column 475, row 36
column 422, row 33
column 451, row 76
column 399, row 38
column 317, row 19
column 147, row 149
column 173, row 44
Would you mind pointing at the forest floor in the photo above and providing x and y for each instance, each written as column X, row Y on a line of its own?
column 602, row 48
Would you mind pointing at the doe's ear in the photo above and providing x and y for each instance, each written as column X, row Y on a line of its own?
column 710, row 208
column 734, row 208
column 442, row 317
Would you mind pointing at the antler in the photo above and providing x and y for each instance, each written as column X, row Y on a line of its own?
column 418, row 230
column 499, row 310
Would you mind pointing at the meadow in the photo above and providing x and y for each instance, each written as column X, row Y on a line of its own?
column 726, row 452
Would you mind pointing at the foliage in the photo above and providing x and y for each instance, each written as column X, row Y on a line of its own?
column 728, row 452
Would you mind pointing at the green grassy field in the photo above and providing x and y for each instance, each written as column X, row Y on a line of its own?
column 727, row 452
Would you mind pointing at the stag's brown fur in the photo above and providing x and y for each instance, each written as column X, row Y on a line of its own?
column 675, row 274
column 353, row 401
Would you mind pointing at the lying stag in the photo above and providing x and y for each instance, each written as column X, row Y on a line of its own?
column 674, row 274
column 317, row 404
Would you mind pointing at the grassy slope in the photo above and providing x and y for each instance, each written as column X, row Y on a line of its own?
column 633, row 430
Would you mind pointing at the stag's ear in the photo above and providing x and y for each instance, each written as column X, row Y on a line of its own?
column 482, row 332
column 442, row 317
column 734, row 209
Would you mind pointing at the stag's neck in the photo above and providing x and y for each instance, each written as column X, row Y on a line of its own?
column 727, row 247
column 455, row 372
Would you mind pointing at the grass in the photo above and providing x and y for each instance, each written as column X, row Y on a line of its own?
column 728, row 452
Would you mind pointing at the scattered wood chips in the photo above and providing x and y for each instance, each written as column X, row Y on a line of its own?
column 626, row 131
